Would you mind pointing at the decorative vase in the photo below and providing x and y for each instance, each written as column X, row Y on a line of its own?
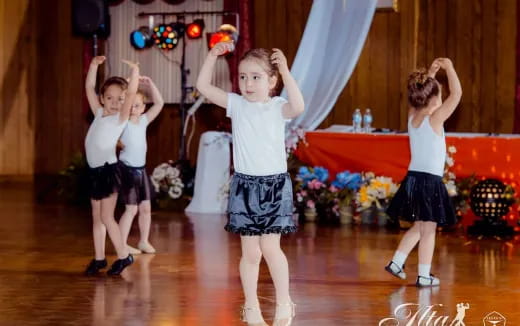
column 345, row 215
column 382, row 217
column 367, row 216
column 310, row 214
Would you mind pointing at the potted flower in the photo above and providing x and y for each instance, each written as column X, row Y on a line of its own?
column 375, row 194
column 168, row 185
column 347, row 185
column 310, row 191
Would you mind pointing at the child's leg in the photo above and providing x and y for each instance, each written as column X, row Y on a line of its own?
column 278, row 266
column 125, row 223
column 249, row 268
column 145, row 220
column 426, row 247
column 279, row 269
column 108, row 206
column 408, row 242
column 99, row 231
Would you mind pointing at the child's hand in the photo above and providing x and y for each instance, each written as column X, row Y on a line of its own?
column 222, row 48
column 434, row 68
column 99, row 59
column 279, row 59
column 444, row 63
column 145, row 81
column 132, row 65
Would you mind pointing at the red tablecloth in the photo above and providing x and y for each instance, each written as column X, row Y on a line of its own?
column 389, row 155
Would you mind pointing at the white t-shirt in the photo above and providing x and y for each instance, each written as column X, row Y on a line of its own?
column 101, row 140
column 258, row 135
column 428, row 149
column 134, row 141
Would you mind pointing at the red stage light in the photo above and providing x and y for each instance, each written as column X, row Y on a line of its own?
column 194, row 30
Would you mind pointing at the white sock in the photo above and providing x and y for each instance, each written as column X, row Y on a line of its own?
column 399, row 259
column 424, row 270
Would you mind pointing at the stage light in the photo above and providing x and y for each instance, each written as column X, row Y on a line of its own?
column 194, row 30
column 165, row 37
column 141, row 38
column 225, row 33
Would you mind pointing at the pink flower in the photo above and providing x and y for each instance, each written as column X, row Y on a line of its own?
column 310, row 204
column 315, row 184
column 303, row 193
column 333, row 189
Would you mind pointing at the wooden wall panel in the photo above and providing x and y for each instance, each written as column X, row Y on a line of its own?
column 17, row 87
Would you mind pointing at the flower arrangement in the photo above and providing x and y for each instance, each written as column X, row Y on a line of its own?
column 296, row 135
column 449, row 177
column 346, row 186
column 166, row 180
column 311, row 189
column 375, row 191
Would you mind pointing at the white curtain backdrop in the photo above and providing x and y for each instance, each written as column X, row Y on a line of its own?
column 329, row 50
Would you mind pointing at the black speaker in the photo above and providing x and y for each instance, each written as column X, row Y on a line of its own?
column 90, row 17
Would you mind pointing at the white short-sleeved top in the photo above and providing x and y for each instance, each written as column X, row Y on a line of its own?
column 101, row 139
column 134, row 141
column 258, row 131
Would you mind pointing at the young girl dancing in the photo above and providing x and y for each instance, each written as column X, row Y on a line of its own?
column 111, row 110
column 422, row 197
column 135, row 181
column 260, row 204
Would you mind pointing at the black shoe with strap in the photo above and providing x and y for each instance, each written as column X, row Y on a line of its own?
column 119, row 265
column 423, row 281
column 395, row 270
column 94, row 266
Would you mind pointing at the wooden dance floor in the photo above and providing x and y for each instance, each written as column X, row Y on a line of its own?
column 337, row 275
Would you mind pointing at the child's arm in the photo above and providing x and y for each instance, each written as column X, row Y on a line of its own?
column 450, row 104
column 130, row 92
column 214, row 94
column 157, row 98
column 90, row 83
column 296, row 106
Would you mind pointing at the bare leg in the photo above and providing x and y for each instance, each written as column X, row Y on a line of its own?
column 249, row 269
column 99, row 231
column 107, row 216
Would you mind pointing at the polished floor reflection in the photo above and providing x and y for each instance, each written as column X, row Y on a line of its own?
column 337, row 275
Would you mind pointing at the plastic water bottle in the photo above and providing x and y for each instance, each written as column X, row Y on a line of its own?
column 367, row 121
column 356, row 120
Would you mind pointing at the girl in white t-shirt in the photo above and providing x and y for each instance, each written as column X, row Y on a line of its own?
column 111, row 110
column 260, row 203
column 136, row 188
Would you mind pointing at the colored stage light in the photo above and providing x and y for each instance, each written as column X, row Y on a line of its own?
column 141, row 38
column 165, row 37
column 194, row 30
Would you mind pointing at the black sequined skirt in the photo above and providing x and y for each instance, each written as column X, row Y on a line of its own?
column 104, row 181
column 422, row 197
column 260, row 205
column 135, row 185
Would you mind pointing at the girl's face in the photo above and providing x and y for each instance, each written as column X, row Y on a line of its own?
column 113, row 99
column 254, row 82
column 138, row 106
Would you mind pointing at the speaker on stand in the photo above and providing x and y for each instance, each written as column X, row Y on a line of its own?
column 91, row 20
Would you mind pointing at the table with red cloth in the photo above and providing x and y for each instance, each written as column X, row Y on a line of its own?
column 389, row 155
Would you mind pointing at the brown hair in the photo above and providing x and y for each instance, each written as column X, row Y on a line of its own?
column 421, row 88
column 118, row 81
column 264, row 56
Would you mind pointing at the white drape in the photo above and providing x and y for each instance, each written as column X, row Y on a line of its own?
column 329, row 50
